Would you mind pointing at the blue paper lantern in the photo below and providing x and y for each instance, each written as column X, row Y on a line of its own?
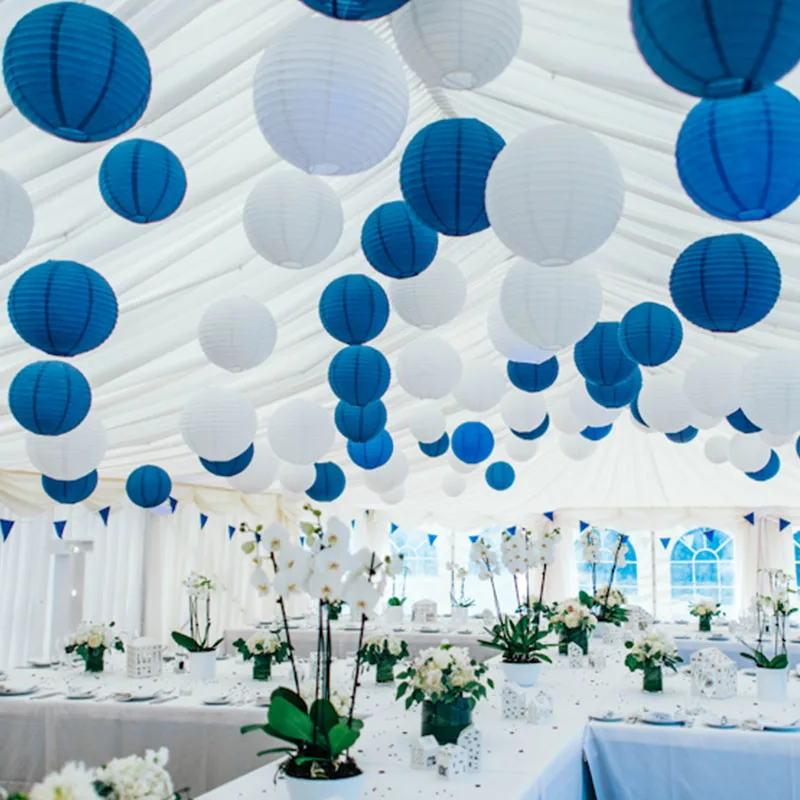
column 437, row 448
column 148, row 486
column 533, row 377
column 472, row 442
column 231, row 467
column 396, row 243
column 682, row 437
column 372, row 454
column 360, row 423
column 62, row 308
column 618, row 394
column 354, row 309
column 500, row 476
column 596, row 433
column 49, row 397
column 650, row 334
column 725, row 283
column 599, row 357
column 359, row 375
column 70, row 492
column 329, row 483
column 358, row 10
column 739, row 421
column 769, row 471
column 718, row 48
column 142, row 181
column 536, row 433
column 443, row 174
column 739, row 159
column 77, row 72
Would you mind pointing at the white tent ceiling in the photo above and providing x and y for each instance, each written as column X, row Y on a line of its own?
column 578, row 63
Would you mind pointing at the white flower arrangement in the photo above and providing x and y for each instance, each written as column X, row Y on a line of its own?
column 705, row 608
column 197, row 584
column 572, row 615
column 94, row 635
column 590, row 545
column 484, row 557
column 653, row 650
column 610, row 598
column 384, row 641
column 263, row 643
column 73, row 782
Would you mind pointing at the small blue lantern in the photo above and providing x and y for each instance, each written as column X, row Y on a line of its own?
column 354, row 309
column 360, row 423
column 596, row 433
column 599, row 357
column 618, row 394
column 650, row 334
column 682, row 437
column 359, row 375
column 231, row 467
column 358, row 10
column 536, row 433
column 533, row 377
column 769, row 471
column 148, row 486
column 472, row 442
column 372, row 454
column 739, row 421
column 70, row 492
column 437, row 448
column 500, row 476
column 329, row 483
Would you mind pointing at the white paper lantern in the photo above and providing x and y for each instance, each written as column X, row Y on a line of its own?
column 458, row 44
column 509, row 344
column 71, row 455
column 301, row 432
column 587, row 410
column 390, row 475
column 551, row 308
column 330, row 97
column 16, row 218
column 520, row 450
column 770, row 392
column 663, row 403
column 297, row 478
column 292, row 219
column 775, row 439
column 577, row 448
column 481, row 387
column 564, row 418
column 717, row 449
column 701, row 421
column 453, row 485
column 748, row 453
column 522, row 411
column 218, row 424
column 555, row 194
column 427, row 424
column 432, row 298
column 458, row 465
column 713, row 385
column 394, row 496
column 237, row 333
column 259, row 474
column 428, row 367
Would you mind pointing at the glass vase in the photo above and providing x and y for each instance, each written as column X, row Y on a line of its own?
column 579, row 636
column 445, row 721
column 705, row 624
column 262, row 667
column 94, row 659
column 384, row 671
column 653, row 679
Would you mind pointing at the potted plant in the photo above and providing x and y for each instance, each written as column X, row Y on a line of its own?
column 573, row 622
column 459, row 602
column 91, row 641
column 202, row 651
column 383, row 651
column 395, row 567
column 705, row 611
column 651, row 653
column 520, row 641
column 606, row 602
column 264, row 648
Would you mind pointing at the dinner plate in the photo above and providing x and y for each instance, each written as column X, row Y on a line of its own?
column 608, row 716
column 430, row 630
column 39, row 663
column 217, row 701
column 750, row 672
column 713, row 638
column 681, row 636
column 465, row 631
column 135, row 697
column 87, row 695
column 776, row 728
column 722, row 723
column 660, row 718
column 17, row 691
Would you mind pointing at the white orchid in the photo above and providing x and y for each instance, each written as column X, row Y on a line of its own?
column 260, row 581
column 327, row 587
column 292, row 557
column 197, row 584
column 74, row 782
column 361, row 596
column 275, row 537
column 337, row 534
column 290, row 581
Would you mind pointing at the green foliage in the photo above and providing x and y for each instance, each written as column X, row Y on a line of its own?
column 192, row 645
column 396, row 601
column 780, row 661
column 520, row 641
column 375, row 654
column 278, row 657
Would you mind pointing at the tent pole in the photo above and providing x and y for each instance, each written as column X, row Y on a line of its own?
column 653, row 581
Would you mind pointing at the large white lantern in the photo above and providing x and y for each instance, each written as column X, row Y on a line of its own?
column 453, row 485
column 259, row 474
column 509, row 344
column 301, row 432
column 564, row 418
column 520, row 450
column 297, row 478
column 575, row 447
column 391, row 475
column 71, row 455
column 551, row 308
column 458, row 44
column 717, row 449
column 16, row 218
column 775, row 439
column 770, row 392
column 394, row 496
column 427, row 424
column 522, row 411
column 701, row 421
column 292, row 219
column 428, row 367
column 748, row 452
column 432, row 298
column 330, row 97
column 663, row 403
column 458, row 465
column 218, row 424
column 587, row 410
column 712, row 384
column 237, row 333
column 555, row 195
column 481, row 387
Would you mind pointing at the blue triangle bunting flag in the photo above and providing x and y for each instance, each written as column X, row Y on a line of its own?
column 432, row 537
column 353, row 524
column 302, row 541
column 583, row 525
column 104, row 512
column 203, row 520
column 60, row 524
column 474, row 539
column 393, row 528
column 751, row 517
column 258, row 538
column 172, row 504
column 549, row 515
column 783, row 523
column 5, row 526
column 231, row 531
column 512, row 531
column 665, row 540
column 624, row 537
column 709, row 536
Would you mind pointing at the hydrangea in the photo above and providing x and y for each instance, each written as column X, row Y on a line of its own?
column 136, row 778
column 571, row 614
column 653, row 649
column 263, row 642
column 74, row 782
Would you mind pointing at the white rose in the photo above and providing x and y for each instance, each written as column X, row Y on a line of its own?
column 441, row 658
column 571, row 620
column 95, row 640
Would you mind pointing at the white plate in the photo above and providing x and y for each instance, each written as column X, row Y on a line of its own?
column 722, row 723
column 87, row 695
column 607, row 716
column 217, row 701
column 17, row 691
column 39, row 663
column 661, row 718
column 777, row 727
column 135, row 697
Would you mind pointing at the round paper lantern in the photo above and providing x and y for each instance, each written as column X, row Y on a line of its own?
column 599, row 357
column 372, row 454
column 16, row 218
column 739, row 421
column 771, row 392
column 576, row 447
column 522, row 411
column 355, row 9
column 148, row 486
column 688, row 434
column 533, row 377
column 62, row 308
column 390, row 475
column 650, row 334
column 472, row 442
column 712, row 384
column 775, row 440
column 481, row 387
column 458, row 44
column 359, row 375
column 331, row 99
column 587, row 410
column 637, row 417
column 718, row 48
column 509, row 344
column 301, row 432
column 555, row 195
column 70, row 456
column 703, row 422
column 748, row 453
column 394, row 496
column 437, row 448
column 396, row 243
column 739, row 159
column 432, row 298
column 551, row 308
column 427, row 424
column 259, row 474
column 354, row 309
column 536, row 433
column 428, row 368
column 594, row 433
column 725, row 283
column 77, row 72
column 70, row 492
column 443, row 174
column 769, row 471
column 360, row 423
column 218, row 424
column 617, row 395
column 142, row 181
column 329, row 483
column 292, row 219
column 453, row 485
column 231, row 467
column 717, row 449
column 297, row 478
column 458, row 465
column 49, row 397
column 237, row 333
column 663, row 404
column 520, row 450
column 500, row 476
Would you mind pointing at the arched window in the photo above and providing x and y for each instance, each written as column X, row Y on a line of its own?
column 419, row 553
column 701, row 565
column 626, row 578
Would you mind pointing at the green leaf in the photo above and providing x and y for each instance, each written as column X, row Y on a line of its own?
column 342, row 738
column 289, row 722
column 274, row 750
column 290, row 696
column 217, row 643
column 781, row 661
column 401, row 690
column 323, row 716
column 186, row 642
column 251, row 728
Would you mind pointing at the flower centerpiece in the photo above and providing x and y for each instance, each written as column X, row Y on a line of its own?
column 264, row 648
column 573, row 622
column 607, row 603
column 202, row 651
column 651, row 653
column 383, row 651
column 459, row 602
column 447, row 682
column 705, row 611
column 91, row 641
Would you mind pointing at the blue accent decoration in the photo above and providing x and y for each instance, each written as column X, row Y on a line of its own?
column 635, row 411
column 533, row 377
column 599, row 357
column 76, row 72
column 359, row 375
column 710, row 534
column 582, row 526
column 142, row 181
column 49, row 397
column 472, row 442
column 740, row 422
column 360, row 423
column 355, row 9
column 302, row 541
column 227, row 469
column 396, row 243
column 354, row 309
column 62, row 308
column 474, row 539
column 596, row 433
column 437, row 448
column 393, row 528
column 512, row 531
column 257, row 537
column 432, row 537
column 173, row 504
column 783, row 524
column 751, row 518
column 443, row 174
column 618, row 394
column 372, row 454
column 768, row 471
column 549, row 514
column 59, row 525
column 624, row 538
column 231, row 531
column 203, row 520
column 650, row 334
column 665, row 540
column 684, row 436
column 725, row 283
column 500, row 476
column 148, row 486
column 329, row 483
column 5, row 527
column 536, row 433
column 104, row 512
column 70, row 492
